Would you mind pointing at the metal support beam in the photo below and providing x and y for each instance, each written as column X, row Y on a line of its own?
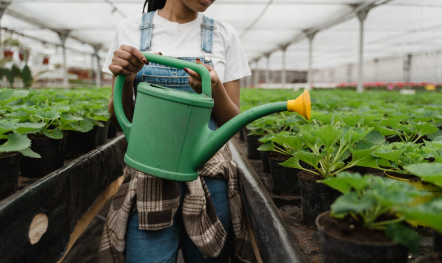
column 267, row 74
column 310, row 60
column 3, row 6
column 283, row 71
column 98, row 75
column 362, row 15
column 256, row 76
column 407, row 67
column 63, row 36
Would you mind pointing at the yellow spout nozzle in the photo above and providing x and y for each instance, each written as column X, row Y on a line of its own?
column 301, row 105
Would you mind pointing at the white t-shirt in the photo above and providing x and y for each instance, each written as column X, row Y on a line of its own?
column 184, row 40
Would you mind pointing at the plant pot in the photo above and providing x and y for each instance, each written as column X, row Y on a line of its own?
column 338, row 249
column 433, row 258
column 437, row 242
column 10, row 170
column 22, row 56
column 8, row 54
column 285, row 179
column 252, row 147
column 52, row 157
column 316, row 198
column 79, row 143
column 102, row 133
column 265, row 161
column 112, row 132
column 241, row 134
column 45, row 61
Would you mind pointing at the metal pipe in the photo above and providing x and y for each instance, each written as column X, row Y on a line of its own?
column 283, row 71
column 310, row 61
column 267, row 71
column 63, row 36
column 361, row 16
column 256, row 77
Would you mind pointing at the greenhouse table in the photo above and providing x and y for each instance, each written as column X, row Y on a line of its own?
column 41, row 222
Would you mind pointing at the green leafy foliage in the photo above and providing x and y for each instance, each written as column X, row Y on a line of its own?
column 367, row 198
column 427, row 172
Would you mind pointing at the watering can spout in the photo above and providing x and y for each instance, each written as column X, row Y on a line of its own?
column 216, row 139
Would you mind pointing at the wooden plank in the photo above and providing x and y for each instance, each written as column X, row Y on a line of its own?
column 87, row 218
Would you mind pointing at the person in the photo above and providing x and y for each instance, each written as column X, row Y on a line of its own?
column 151, row 218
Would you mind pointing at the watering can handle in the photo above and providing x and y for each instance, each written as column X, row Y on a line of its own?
column 167, row 61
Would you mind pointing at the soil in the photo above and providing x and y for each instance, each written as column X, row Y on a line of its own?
column 278, row 156
column 310, row 177
column 349, row 228
column 435, row 258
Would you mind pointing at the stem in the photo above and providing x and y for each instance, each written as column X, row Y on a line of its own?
column 383, row 223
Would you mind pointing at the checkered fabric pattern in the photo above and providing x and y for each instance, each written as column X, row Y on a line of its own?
column 157, row 200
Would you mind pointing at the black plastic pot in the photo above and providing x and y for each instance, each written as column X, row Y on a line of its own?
column 52, row 157
column 335, row 249
column 112, row 132
column 437, row 242
column 285, row 180
column 102, row 133
column 79, row 143
column 265, row 162
column 241, row 134
column 316, row 198
column 433, row 258
column 9, row 173
column 252, row 147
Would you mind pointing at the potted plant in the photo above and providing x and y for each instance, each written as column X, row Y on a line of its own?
column 46, row 60
column 327, row 148
column 362, row 225
column 398, row 155
column 9, row 44
column 13, row 144
column 24, row 53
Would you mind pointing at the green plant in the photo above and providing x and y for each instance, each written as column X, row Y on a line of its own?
column 367, row 198
column 10, row 42
column 398, row 155
column 406, row 128
column 329, row 146
column 16, row 139
column 427, row 172
column 26, row 76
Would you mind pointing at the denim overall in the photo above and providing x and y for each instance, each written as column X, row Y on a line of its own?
column 172, row 77
column 163, row 245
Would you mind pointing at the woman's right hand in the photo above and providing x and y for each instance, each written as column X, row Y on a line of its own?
column 127, row 61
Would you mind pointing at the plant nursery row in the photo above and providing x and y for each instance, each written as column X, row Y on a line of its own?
column 40, row 129
column 361, row 181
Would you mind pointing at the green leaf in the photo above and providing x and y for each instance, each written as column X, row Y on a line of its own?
column 53, row 134
column 266, row 147
column 374, row 137
column 426, row 128
column 345, row 181
column 309, row 158
column 84, row 125
column 428, row 214
column 385, row 131
column 428, row 172
column 352, row 120
column 16, row 142
column 390, row 155
column 361, row 156
column 293, row 162
column 29, row 153
column 351, row 203
column 405, row 236
column 329, row 136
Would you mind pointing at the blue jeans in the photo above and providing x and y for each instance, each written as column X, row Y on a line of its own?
column 144, row 246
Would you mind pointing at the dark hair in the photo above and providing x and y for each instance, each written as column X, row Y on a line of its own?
column 153, row 5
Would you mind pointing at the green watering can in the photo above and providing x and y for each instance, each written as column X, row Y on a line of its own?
column 169, row 136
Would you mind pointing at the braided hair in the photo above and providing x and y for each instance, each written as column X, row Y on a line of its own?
column 153, row 5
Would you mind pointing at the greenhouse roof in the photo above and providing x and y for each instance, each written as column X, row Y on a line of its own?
column 392, row 27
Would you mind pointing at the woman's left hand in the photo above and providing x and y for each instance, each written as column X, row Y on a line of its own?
column 195, row 78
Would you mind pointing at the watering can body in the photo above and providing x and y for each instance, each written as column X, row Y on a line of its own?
column 169, row 135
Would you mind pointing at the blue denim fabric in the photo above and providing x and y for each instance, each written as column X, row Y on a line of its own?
column 144, row 246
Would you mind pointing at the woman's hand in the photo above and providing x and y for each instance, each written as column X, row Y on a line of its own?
column 127, row 61
column 195, row 78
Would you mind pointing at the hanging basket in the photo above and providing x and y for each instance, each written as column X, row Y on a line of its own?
column 45, row 60
column 8, row 53
column 22, row 55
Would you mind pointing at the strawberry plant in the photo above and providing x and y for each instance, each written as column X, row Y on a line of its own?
column 15, row 137
column 367, row 198
column 329, row 146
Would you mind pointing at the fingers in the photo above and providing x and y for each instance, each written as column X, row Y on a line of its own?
column 126, row 64
column 135, row 53
column 119, row 70
column 193, row 74
column 128, row 59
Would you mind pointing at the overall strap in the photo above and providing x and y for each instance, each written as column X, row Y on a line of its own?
column 146, row 31
column 207, row 28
